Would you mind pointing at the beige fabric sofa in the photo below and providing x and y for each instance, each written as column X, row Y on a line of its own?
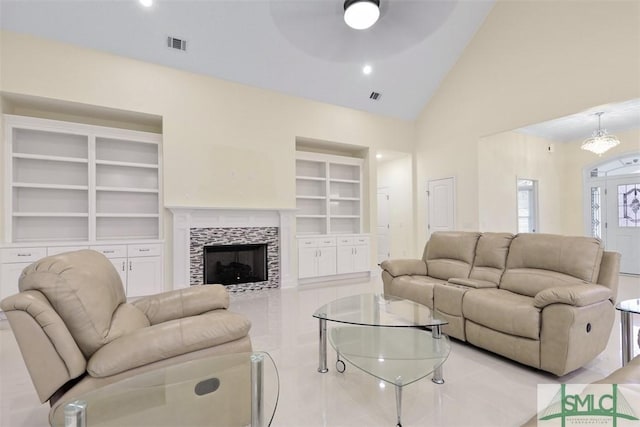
column 543, row 300
column 76, row 331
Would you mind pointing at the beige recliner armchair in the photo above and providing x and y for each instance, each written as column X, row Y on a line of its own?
column 77, row 332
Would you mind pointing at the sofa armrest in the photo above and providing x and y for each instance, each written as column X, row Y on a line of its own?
column 403, row 267
column 181, row 303
column 472, row 283
column 575, row 295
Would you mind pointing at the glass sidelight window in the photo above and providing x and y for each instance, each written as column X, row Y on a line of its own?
column 527, row 206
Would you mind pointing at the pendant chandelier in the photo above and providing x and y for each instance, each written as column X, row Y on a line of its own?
column 600, row 141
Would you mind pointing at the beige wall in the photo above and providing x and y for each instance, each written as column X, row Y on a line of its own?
column 508, row 156
column 396, row 177
column 225, row 144
column 531, row 61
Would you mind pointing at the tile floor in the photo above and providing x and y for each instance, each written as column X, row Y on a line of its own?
column 481, row 389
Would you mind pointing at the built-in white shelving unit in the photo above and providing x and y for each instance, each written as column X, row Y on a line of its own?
column 71, row 185
column 76, row 182
column 329, row 217
column 328, row 194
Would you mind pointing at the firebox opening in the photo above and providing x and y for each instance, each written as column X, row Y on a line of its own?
column 233, row 264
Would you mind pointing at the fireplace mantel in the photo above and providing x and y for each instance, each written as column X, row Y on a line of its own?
column 187, row 217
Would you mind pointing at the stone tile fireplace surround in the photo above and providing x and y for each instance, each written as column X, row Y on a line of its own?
column 195, row 227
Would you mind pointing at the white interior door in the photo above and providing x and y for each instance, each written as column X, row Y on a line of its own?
column 623, row 221
column 384, row 225
column 441, row 205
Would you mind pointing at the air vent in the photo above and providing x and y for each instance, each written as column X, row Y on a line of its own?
column 374, row 96
column 176, row 43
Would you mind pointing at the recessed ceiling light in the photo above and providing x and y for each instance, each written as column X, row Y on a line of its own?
column 146, row 3
column 378, row 156
column 367, row 69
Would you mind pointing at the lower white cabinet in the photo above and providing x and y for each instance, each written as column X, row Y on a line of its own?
column 353, row 254
column 325, row 256
column 139, row 265
column 316, row 257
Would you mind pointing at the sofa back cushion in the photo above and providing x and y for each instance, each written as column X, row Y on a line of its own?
column 450, row 254
column 540, row 261
column 491, row 257
column 85, row 290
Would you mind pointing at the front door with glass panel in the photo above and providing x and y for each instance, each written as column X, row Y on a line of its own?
column 623, row 221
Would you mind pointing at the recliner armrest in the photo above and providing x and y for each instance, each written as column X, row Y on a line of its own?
column 403, row 267
column 575, row 295
column 181, row 303
column 472, row 283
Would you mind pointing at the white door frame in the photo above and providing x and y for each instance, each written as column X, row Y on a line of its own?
column 387, row 231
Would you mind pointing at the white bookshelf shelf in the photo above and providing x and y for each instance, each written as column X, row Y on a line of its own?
column 50, row 186
column 49, row 158
column 128, row 189
column 126, row 164
column 51, row 214
column 126, row 215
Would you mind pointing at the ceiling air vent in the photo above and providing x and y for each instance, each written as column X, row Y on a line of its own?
column 374, row 96
column 176, row 43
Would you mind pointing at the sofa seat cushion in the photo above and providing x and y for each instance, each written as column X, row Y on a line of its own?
column 416, row 288
column 503, row 311
column 168, row 339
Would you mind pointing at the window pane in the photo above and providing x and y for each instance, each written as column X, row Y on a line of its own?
column 629, row 205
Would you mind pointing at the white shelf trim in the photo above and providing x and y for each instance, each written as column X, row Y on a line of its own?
column 50, row 158
column 347, row 181
column 52, row 214
column 128, row 189
column 311, row 216
column 311, row 197
column 345, row 216
column 50, row 186
column 310, row 178
column 353, row 199
column 126, row 164
column 126, row 215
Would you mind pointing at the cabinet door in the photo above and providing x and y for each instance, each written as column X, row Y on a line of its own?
column 345, row 259
column 307, row 262
column 144, row 276
column 361, row 258
column 121, row 267
column 326, row 261
column 9, row 278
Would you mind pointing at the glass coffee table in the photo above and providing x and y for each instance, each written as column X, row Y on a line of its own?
column 385, row 337
column 228, row 390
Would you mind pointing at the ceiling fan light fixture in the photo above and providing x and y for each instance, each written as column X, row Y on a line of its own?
column 600, row 141
column 361, row 14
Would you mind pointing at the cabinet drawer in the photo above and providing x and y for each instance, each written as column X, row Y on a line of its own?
column 345, row 241
column 361, row 240
column 23, row 254
column 112, row 251
column 307, row 243
column 326, row 241
column 144, row 250
column 55, row 250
